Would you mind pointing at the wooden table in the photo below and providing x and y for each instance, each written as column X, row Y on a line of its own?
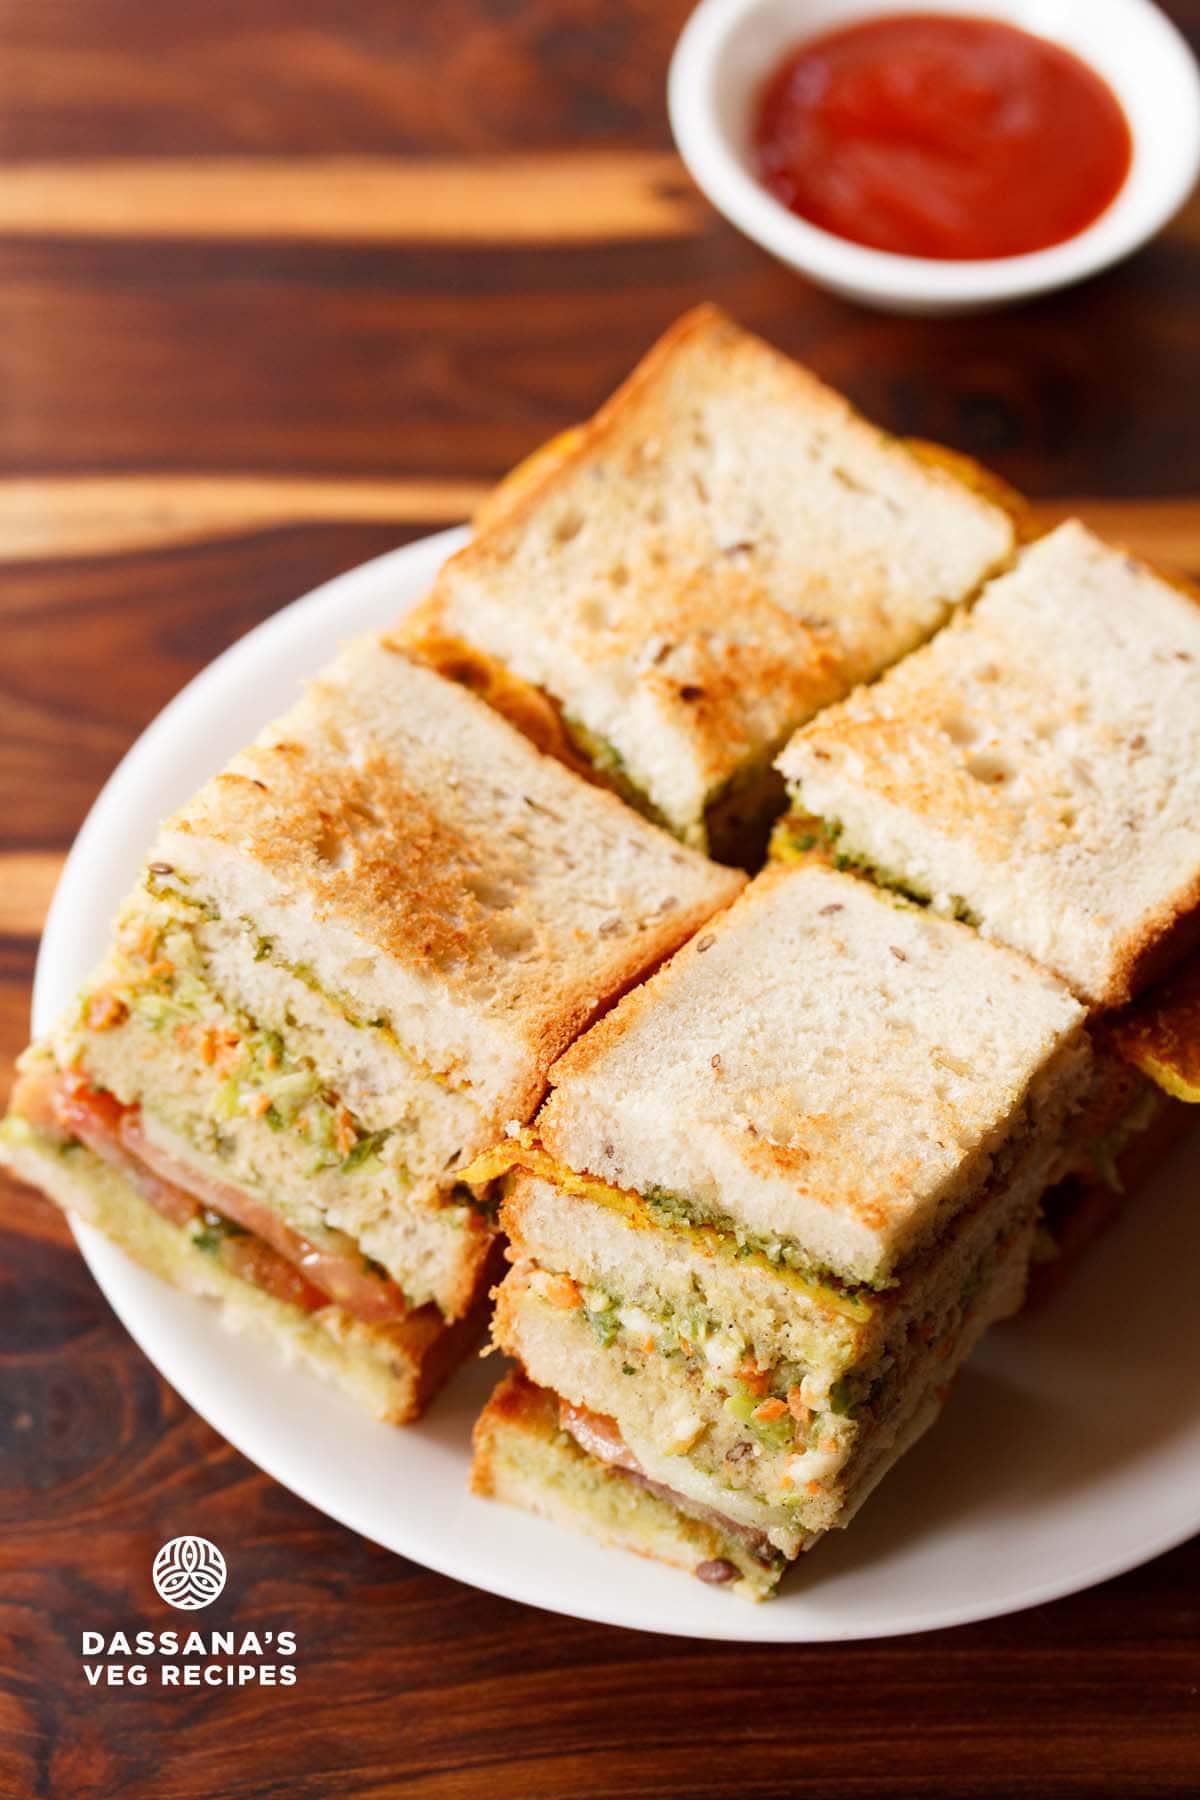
column 281, row 286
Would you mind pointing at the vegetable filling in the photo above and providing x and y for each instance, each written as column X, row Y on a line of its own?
column 245, row 1234
column 800, row 834
column 158, row 980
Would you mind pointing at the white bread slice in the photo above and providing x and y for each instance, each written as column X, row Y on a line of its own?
column 723, row 550
column 1038, row 764
column 393, row 1371
column 822, row 1066
column 425, row 864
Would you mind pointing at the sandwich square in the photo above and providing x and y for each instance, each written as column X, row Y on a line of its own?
column 774, row 1198
column 434, row 867
column 820, row 1065
column 723, row 550
column 349, row 960
column 1035, row 769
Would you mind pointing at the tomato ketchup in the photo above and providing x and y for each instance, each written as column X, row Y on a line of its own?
column 939, row 135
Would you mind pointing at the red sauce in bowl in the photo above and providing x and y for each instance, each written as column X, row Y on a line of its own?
column 937, row 135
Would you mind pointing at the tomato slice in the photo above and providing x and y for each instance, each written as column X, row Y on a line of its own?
column 331, row 1260
column 96, row 1119
column 596, row 1433
column 247, row 1256
column 287, row 1263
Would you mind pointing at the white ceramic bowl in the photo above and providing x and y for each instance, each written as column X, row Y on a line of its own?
column 729, row 47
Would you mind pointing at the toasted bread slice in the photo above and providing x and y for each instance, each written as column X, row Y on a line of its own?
column 723, row 550
column 415, row 855
column 350, row 961
column 1036, row 768
column 821, row 1069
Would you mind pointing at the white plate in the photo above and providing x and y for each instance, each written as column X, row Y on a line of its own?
column 1069, row 1451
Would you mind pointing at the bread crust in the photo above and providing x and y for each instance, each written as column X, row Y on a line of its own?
column 638, row 575
column 1037, row 764
column 778, row 1070
column 493, row 902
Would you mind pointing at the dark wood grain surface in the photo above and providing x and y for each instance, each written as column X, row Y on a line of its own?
column 282, row 285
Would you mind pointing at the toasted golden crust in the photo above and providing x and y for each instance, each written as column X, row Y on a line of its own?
column 518, row 493
column 689, row 584
column 529, row 474
column 1035, row 766
column 428, row 864
column 334, row 827
column 980, row 479
column 1168, row 939
column 532, row 712
column 514, row 1401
